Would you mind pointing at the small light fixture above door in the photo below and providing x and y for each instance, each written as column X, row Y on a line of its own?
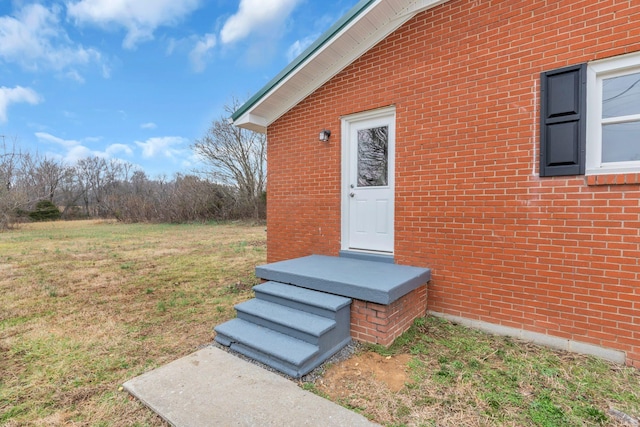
column 324, row 135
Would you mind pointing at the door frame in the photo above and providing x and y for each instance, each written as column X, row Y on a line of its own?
column 346, row 123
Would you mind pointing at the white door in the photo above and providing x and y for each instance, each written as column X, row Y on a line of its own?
column 368, row 181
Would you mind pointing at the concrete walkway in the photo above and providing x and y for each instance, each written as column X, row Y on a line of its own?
column 214, row 388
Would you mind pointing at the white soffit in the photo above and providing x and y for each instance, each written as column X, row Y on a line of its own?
column 367, row 23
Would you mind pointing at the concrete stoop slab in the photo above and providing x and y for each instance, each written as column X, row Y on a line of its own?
column 379, row 282
column 212, row 387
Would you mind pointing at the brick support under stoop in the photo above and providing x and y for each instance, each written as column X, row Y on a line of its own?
column 382, row 324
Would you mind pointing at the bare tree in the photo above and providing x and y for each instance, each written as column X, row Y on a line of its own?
column 84, row 170
column 236, row 157
column 98, row 182
column 10, row 159
column 12, row 199
column 41, row 176
column 69, row 192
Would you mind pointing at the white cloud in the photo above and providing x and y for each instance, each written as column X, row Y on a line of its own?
column 34, row 39
column 161, row 146
column 16, row 95
column 75, row 150
column 260, row 16
column 47, row 137
column 74, row 75
column 80, row 152
column 201, row 52
column 106, row 71
column 199, row 49
column 171, row 46
column 149, row 125
column 118, row 148
column 140, row 18
column 299, row 46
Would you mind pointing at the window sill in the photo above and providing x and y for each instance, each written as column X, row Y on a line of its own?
column 614, row 179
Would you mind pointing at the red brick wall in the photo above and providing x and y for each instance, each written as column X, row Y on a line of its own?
column 382, row 324
column 552, row 255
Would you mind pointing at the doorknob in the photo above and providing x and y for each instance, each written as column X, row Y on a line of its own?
column 352, row 194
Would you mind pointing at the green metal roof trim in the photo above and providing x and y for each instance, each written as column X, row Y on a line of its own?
column 308, row 52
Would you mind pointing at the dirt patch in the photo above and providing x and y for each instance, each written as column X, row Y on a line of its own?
column 340, row 378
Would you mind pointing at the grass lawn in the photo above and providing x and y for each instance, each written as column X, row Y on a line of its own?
column 87, row 305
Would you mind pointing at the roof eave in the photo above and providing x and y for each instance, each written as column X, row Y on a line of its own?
column 251, row 122
column 300, row 59
column 247, row 116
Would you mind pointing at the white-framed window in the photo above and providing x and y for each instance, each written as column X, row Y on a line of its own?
column 613, row 115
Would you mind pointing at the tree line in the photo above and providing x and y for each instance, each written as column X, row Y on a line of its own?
column 230, row 187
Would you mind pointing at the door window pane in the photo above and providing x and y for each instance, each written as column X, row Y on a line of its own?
column 373, row 155
column 621, row 96
column 621, row 142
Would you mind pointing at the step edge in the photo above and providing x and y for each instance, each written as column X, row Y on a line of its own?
column 235, row 337
column 343, row 301
column 285, row 367
column 248, row 307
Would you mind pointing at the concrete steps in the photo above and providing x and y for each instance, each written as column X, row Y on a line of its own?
column 288, row 328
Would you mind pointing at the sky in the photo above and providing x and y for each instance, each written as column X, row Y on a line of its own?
column 141, row 80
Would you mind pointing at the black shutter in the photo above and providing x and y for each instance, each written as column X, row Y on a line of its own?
column 563, row 106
